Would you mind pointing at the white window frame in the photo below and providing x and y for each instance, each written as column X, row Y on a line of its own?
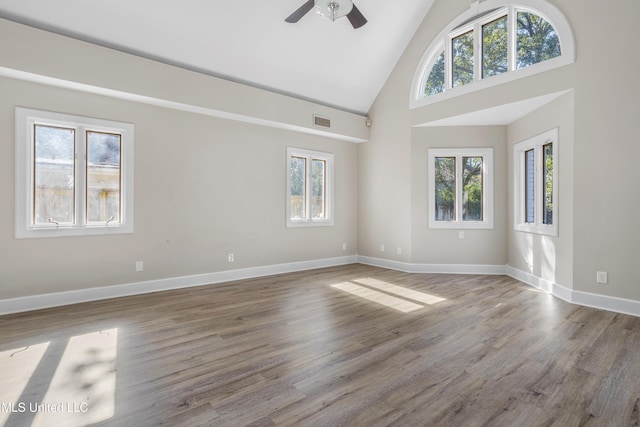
column 310, row 155
column 25, row 121
column 467, row 22
column 536, row 143
column 487, row 190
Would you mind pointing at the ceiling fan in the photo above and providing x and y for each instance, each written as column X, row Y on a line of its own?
column 332, row 9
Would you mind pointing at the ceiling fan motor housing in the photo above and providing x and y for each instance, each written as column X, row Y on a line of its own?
column 333, row 9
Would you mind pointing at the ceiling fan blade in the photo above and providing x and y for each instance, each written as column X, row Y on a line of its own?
column 356, row 18
column 302, row 10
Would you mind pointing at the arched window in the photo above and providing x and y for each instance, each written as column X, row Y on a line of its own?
column 490, row 44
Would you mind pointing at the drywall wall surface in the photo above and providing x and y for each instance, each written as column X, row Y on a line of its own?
column 385, row 187
column 38, row 55
column 448, row 246
column 204, row 187
column 606, row 150
column 547, row 257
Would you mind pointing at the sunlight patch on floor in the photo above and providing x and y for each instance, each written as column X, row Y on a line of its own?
column 84, row 381
column 378, row 297
column 18, row 366
column 68, row 381
column 400, row 291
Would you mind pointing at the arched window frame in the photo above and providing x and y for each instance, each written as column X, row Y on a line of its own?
column 477, row 15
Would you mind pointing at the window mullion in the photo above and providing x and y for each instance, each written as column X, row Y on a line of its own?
column 81, row 176
column 511, row 38
column 477, row 51
column 522, row 186
column 458, row 204
column 308, row 188
column 538, row 173
column 448, row 65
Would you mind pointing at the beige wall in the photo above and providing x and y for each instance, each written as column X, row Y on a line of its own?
column 599, row 128
column 546, row 257
column 437, row 246
column 214, row 209
column 204, row 187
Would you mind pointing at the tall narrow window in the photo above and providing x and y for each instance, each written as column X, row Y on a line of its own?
column 495, row 47
column 75, row 175
column 461, row 188
column 103, row 177
column 297, row 186
column 54, row 175
column 318, row 195
column 462, row 59
column 530, row 186
column 445, row 188
column 309, row 188
column 472, row 188
column 547, row 184
column 535, row 184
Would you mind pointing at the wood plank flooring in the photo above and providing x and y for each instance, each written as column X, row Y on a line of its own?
column 301, row 350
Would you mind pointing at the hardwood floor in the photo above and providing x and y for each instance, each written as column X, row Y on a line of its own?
column 353, row 345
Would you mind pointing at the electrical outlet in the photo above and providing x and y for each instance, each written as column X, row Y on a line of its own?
column 602, row 277
column 399, row 251
column 344, row 246
column 139, row 266
column 460, row 234
column 381, row 248
column 231, row 258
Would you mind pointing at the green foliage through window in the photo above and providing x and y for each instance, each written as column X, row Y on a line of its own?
column 495, row 48
column 462, row 59
column 445, row 170
column 435, row 82
column 472, row 188
column 535, row 40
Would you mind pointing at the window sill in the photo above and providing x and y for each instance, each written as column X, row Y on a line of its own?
column 66, row 231
column 457, row 225
column 417, row 100
column 301, row 223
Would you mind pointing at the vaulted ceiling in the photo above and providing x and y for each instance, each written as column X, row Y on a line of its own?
column 246, row 41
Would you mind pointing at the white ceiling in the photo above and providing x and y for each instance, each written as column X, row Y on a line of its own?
column 246, row 41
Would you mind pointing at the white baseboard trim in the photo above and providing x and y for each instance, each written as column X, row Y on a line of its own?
column 36, row 302
column 602, row 302
column 432, row 268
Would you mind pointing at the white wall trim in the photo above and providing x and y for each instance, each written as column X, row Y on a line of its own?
column 602, row 302
column 432, row 268
column 164, row 103
column 36, row 302
column 540, row 283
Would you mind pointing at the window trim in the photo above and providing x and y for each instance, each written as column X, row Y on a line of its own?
column 310, row 155
column 487, row 190
column 483, row 12
column 519, row 219
column 25, row 120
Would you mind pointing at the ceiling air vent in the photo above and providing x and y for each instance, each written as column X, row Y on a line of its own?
column 321, row 121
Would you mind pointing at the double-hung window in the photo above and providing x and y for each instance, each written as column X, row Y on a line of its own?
column 536, row 182
column 309, row 188
column 460, row 188
column 74, row 175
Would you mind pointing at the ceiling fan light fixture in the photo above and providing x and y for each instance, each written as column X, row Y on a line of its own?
column 333, row 9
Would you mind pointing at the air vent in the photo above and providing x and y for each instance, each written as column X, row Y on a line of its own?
column 321, row 121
